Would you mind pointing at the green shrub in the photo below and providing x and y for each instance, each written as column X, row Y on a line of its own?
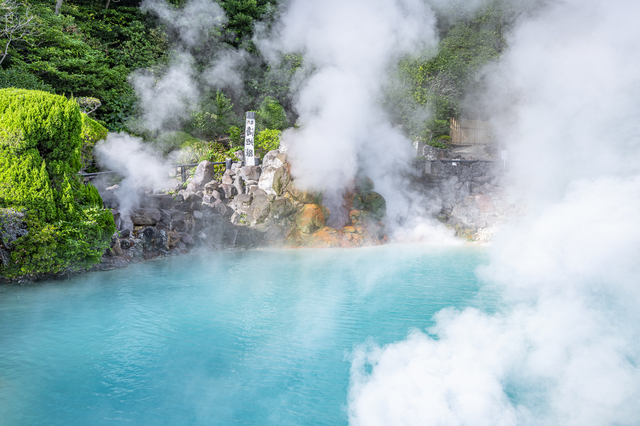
column 271, row 115
column 267, row 140
column 92, row 132
column 21, row 79
column 40, row 139
column 51, row 124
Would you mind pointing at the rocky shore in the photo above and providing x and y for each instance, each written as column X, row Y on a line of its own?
column 240, row 208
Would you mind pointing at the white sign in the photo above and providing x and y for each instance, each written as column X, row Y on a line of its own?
column 505, row 156
column 249, row 134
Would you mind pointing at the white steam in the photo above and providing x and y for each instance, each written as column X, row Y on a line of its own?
column 351, row 47
column 565, row 348
column 142, row 167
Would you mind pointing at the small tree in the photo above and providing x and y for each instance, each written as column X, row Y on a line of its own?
column 16, row 24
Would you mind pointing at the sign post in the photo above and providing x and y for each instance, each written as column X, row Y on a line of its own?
column 249, row 133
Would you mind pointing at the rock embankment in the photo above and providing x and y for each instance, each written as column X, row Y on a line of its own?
column 474, row 201
column 242, row 207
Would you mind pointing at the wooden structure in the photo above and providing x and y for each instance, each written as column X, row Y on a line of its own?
column 466, row 132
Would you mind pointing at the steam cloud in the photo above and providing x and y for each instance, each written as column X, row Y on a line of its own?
column 351, row 47
column 564, row 349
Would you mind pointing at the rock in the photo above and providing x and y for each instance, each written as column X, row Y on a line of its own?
column 259, row 209
column 305, row 197
column 178, row 225
column 187, row 239
column 250, row 173
column 281, row 208
column 241, row 203
column 266, row 179
column 211, row 186
column 165, row 216
column 371, row 202
column 281, row 179
column 205, row 172
column 126, row 243
column 195, row 206
column 310, row 218
column 220, row 208
column 228, row 190
column 364, row 184
column 145, row 216
column 271, row 160
column 238, row 184
column 191, row 197
column 485, row 203
column 228, row 180
column 158, row 201
column 198, row 215
column 173, row 239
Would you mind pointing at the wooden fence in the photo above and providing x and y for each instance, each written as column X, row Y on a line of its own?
column 470, row 132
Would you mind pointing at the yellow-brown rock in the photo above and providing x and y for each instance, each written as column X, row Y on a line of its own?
column 310, row 218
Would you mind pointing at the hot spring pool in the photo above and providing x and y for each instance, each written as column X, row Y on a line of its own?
column 256, row 337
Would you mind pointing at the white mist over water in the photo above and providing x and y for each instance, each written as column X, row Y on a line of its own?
column 565, row 348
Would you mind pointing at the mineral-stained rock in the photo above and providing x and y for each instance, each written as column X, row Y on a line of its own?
column 145, row 216
column 205, row 172
column 173, row 239
column 281, row 179
column 305, row 197
column 281, row 208
column 371, row 202
column 364, row 184
column 310, row 218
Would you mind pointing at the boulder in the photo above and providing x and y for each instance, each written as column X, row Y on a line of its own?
column 310, row 218
column 211, row 186
column 280, row 180
column 272, row 159
column 259, row 209
column 241, row 203
column 281, row 208
column 187, row 239
column 146, row 216
column 220, row 208
column 205, row 172
column 371, row 202
column 239, row 184
column 266, row 179
column 249, row 173
column 228, row 180
column 228, row 190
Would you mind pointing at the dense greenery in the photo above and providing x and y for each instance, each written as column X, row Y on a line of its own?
column 40, row 155
column 441, row 83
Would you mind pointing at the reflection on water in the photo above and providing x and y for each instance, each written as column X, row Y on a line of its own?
column 260, row 337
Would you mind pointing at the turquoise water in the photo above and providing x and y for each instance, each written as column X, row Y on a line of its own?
column 249, row 338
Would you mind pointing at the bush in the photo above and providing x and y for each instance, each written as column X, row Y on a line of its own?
column 21, row 79
column 92, row 132
column 267, row 140
column 271, row 115
column 40, row 141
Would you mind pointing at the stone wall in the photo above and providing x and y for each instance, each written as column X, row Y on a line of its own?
column 472, row 193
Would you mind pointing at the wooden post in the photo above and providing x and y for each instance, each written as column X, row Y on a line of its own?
column 249, row 133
